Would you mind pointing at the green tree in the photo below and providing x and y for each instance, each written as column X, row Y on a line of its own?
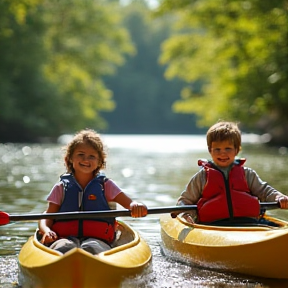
column 238, row 52
column 20, row 57
column 143, row 96
column 53, row 57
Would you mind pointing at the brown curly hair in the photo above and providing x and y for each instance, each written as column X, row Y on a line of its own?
column 87, row 136
column 224, row 131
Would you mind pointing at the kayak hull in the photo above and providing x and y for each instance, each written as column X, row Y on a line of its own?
column 43, row 267
column 256, row 251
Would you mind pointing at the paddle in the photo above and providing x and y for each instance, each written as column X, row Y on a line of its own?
column 5, row 218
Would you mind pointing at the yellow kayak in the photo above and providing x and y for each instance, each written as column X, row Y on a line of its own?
column 43, row 267
column 258, row 251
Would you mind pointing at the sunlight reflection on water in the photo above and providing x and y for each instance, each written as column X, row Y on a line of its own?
column 162, row 143
column 157, row 143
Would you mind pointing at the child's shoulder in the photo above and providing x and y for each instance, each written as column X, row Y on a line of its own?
column 249, row 170
column 101, row 176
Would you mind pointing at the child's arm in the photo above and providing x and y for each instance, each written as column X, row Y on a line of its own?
column 46, row 224
column 260, row 188
column 191, row 195
column 137, row 209
column 193, row 190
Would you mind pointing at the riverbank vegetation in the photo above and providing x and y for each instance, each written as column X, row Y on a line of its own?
column 237, row 53
column 173, row 69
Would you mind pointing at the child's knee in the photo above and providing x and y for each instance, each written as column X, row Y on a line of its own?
column 63, row 245
column 94, row 246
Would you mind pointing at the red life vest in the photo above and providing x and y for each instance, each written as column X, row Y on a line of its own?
column 222, row 199
column 90, row 228
column 93, row 199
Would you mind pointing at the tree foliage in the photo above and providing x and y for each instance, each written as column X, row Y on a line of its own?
column 53, row 56
column 238, row 52
column 143, row 96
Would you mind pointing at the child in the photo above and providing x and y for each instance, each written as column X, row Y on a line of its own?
column 224, row 190
column 83, row 188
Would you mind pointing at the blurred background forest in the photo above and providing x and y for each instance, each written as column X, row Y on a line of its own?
column 126, row 67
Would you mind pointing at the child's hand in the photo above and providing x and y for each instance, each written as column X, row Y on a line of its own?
column 283, row 201
column 138, row 209
column 188, row 218
column 49, row 237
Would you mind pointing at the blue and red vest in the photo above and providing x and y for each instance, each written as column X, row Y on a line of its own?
column 91, row 199
column 226, row 199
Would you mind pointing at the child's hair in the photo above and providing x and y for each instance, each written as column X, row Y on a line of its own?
column 87, row 136
column 224, row 131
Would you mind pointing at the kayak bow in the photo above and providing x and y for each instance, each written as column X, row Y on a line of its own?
column 256, row 251
column 43, row 267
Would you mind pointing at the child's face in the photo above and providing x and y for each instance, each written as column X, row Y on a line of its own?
column 223, row 153
column 85, row 159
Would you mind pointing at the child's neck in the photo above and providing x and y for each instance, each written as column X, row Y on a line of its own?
column 225, row 170
column 83, row 179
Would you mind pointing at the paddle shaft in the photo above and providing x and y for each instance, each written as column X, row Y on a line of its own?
column 97, row 214
column 5, row 218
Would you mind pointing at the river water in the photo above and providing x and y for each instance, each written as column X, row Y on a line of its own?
column 150, row 168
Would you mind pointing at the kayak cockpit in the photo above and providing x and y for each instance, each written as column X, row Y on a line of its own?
column 268, row 223
column 123, row 236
